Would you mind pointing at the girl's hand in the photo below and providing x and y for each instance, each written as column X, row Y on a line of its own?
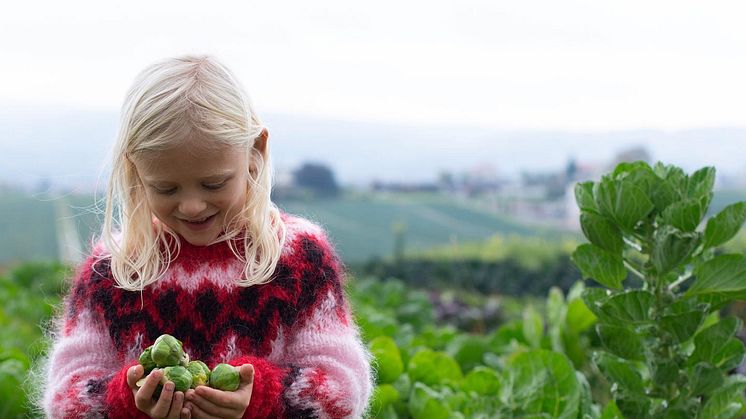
column 206, row 402
column 169, row 405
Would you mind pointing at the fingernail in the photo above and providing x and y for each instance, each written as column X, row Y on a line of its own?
column 169, row 386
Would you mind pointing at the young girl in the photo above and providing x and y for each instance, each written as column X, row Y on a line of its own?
column 192, row 246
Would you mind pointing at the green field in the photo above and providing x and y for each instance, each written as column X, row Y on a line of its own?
column 361, row 225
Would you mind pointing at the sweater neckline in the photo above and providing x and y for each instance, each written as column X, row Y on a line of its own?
column 220, row 250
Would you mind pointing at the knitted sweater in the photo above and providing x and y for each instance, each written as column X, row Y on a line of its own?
column 297, row 331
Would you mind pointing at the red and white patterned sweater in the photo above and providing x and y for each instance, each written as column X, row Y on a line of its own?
column 297, row 331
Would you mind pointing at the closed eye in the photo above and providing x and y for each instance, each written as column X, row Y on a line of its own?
column 165, row 192
column 216, row 186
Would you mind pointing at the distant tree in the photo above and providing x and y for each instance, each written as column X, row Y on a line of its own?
column 571, row 170
column 318, row 178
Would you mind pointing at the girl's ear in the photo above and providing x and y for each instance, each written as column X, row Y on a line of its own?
column 260, row 143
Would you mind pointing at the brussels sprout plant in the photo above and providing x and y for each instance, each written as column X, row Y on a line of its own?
column 667, row 352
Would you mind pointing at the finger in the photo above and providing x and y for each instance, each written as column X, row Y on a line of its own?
column 144, row 396
column 134, row 373
column 211, row 408
column 185, row 412
column 164, row 402
column 176, row 405
column 229, row 399
column 246, row 371
column 198, row 413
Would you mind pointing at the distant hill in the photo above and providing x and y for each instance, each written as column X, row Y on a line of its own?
column 361, row 225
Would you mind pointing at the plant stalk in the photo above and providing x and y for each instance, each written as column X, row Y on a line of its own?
column 679, row 281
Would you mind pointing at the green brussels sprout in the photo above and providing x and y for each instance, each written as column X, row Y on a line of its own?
column 146, row 360
column 200, row 373
column 224, row 377
column 167, row 352
column 181, row 377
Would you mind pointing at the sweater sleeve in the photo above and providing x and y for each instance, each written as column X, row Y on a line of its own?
column 83, row 372
column 325, row 371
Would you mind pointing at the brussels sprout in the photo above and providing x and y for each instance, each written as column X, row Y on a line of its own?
column 224, row 377
column 146, row 360
column 181, row 377
column 167, row 352
column 200, row 373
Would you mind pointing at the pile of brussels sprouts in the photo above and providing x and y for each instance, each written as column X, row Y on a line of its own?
column 167, row 354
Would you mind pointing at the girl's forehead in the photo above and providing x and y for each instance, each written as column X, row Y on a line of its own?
column 183, row 162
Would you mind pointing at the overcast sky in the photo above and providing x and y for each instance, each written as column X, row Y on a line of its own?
column 528, row 64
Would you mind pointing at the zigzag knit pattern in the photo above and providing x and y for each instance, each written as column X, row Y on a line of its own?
column 297, row 331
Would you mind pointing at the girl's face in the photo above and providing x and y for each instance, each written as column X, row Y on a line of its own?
column 195, row 191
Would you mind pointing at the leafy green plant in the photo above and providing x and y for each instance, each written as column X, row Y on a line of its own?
column 666, row 351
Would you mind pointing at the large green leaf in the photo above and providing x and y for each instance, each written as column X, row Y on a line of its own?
column 579, row 317
column 638, row 173
column 717, row 346
column 674, row 177
column 388, row 359
column 602, row 232
column 701, row 182
column 507, row 335
column 374, row 322
column 704, row 378
column 621, row 341
column 426, row 403
column 434, row 368
column 663, row 195
column 584, row 196
column 621, row 372
column 533, row 326
column 483, row 381
column 635, row 169
column 672, row 247
column 664, row 372
column 633, row 405
column 687, row 214
column 725, row 224
column 723, row 275
column 543, row 382
column 594, row 298
column 600, row 265
column 682, row 326
column 384, row 395
column 12, row 375
column 727, row 402
column 468, row 350
column 629, row 307
column 622, row 201
column 611, row 411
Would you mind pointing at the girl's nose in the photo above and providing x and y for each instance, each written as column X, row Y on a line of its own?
column 192, row 207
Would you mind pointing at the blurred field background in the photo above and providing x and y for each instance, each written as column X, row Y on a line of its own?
column 438, row 142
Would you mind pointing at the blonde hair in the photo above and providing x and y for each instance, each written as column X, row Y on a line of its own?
column 170, row 102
